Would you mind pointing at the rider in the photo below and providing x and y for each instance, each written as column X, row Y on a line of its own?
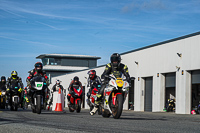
column 55, row 88
column 38, row 71
column 112, row 67
column 92, row 80
column 3, row 86
column 11, row 80
column 3, row 83
column 74, row 82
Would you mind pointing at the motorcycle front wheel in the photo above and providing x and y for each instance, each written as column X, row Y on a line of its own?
column 79, row 106
column 71, row 110
column 38, row 105
column 16, row 107
column 117, row 110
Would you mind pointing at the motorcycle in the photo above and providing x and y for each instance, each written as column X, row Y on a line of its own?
column 3, row 99
column 171, row 105
column 114, row 95
column 93, row 97
column 75, row 100
column 38, row 95
column 15, row 91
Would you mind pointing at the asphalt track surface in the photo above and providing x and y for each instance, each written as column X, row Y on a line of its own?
column 55, row 122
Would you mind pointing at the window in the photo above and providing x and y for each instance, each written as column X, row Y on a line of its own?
column 51, row 61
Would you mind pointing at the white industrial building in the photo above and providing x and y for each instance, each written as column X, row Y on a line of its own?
column 163, row 70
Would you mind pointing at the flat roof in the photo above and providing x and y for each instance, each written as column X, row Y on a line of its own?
column 63, row 68
column 67, row 56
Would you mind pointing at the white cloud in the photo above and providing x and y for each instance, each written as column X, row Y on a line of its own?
column 49, row 25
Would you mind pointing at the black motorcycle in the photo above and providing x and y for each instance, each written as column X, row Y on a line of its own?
column 15, row 96
column 38, row 95
column 171, row 105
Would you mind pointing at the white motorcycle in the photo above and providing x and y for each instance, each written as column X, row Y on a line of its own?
column 114, row 95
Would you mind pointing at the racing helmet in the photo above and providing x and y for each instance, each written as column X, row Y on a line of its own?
column 14, row 74
column 3, row 79
column 38, row 66
column 92, row 74
column 76, row 80
column 115, row 59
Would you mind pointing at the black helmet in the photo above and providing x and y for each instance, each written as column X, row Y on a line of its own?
column 38, row 66
column 115, row 59
column 3, row 78
column 14, row 74
column 92, row 74
column 76, row 80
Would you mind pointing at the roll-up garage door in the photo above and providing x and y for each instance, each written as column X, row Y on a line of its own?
column 195, row 77
column 170, row 80
column 148, row 94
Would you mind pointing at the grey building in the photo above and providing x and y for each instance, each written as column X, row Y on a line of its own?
column 60, row 64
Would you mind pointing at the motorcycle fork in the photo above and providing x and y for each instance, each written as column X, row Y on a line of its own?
column 113, row 99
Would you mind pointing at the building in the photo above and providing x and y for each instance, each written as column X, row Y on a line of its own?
column 59, row 64
column 169, row 69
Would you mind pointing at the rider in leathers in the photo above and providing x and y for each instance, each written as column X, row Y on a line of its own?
column 38, row 71
column 74, row 82
column 112, row 67
column 93, row 80
column 3, row 83
column 14, row 79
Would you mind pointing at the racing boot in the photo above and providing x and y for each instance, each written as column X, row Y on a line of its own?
column 94, row 110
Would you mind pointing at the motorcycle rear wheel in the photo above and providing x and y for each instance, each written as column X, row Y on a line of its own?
column 71, row 110
column 117, row 111
column 105, row 114
column 99, row 110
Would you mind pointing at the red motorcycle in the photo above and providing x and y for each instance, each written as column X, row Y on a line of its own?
column 75, row 100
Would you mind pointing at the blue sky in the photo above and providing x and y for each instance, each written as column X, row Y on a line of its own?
column 87, row 27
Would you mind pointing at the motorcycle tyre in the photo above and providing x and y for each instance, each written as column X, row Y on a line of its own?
column 169, row 109
column 71, row 110
column 99, row 110
column 105, row 114
column 3, row 105
column 33, row 110
column 16, row 107
column 119, row 99
column 79, row 106
column 38, row 105
column 45, row 106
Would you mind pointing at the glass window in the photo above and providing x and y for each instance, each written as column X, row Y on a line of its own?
column 44, row 61
column 51, row 61
column 57, row 61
